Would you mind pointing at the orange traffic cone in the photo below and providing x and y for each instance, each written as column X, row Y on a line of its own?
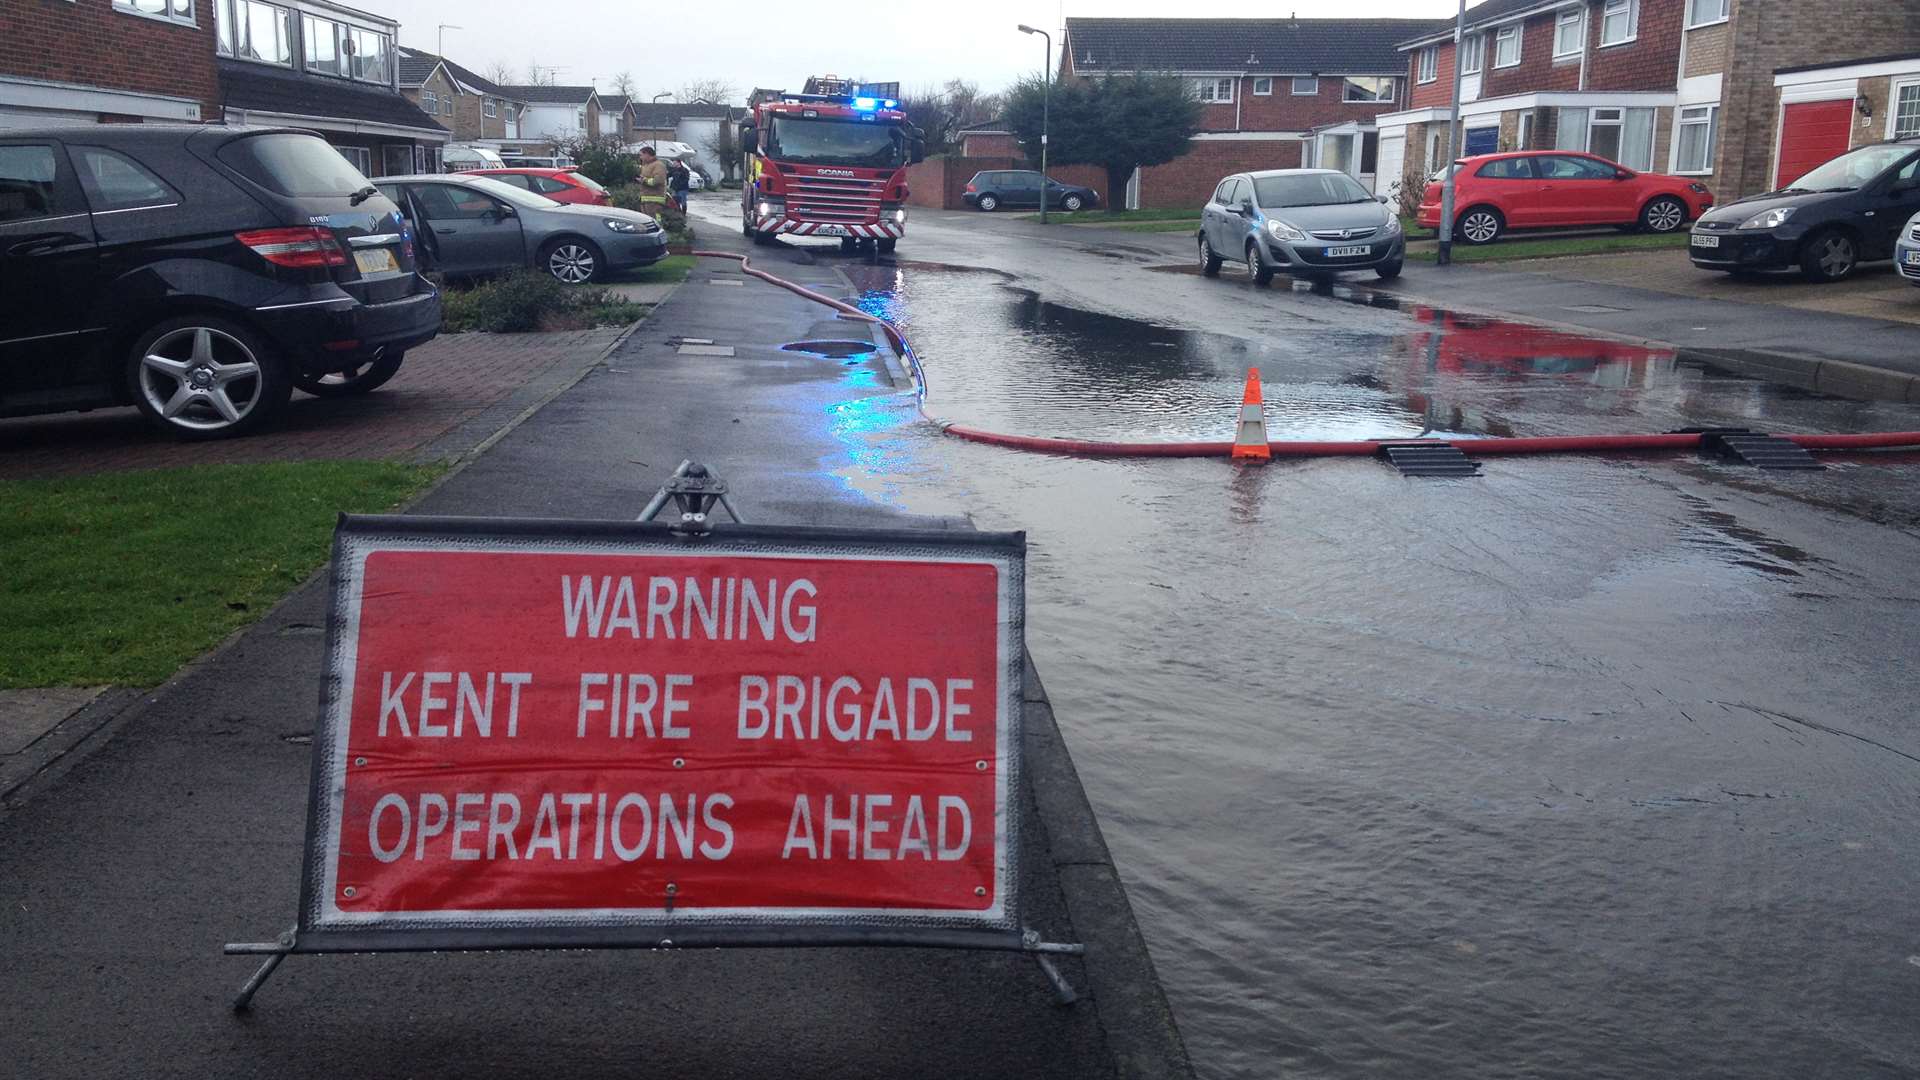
column 1250, row 441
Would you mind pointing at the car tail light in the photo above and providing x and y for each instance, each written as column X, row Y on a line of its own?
column 970, row 187
column 306, row 247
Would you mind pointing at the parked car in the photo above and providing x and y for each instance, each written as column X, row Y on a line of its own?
column 1906, row 251
column 1311, row 223
column 1846, row 212
column 475, row 225
column 199, row 273
column 560, row 185
column 1557, row 189
column 697, row 181
column 1016, row 188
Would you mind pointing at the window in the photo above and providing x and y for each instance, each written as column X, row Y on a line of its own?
column 360, row 156
column 114, row 181
column 1702, row 12
column 1367, row 88
column 320, row 41
column 251, row 30
column 446, row 202
column 1507, row 169
column 27, row 183
column 1570, row 33
column 1225, row 189
column 288, row 163
column 332, row 48
column 490, row 107
column 1473, row 54
column 1622, row 135
column 519, row 180
column 180, row 11
column 1693, row 139
column 429, row 102
column 1906, row 110
column 1263, row 87
column 1219, row 91
column 1429, row 63
column 1619, row 20
column 1561, row 167
column 1308, row 86
column 1526, row 131
column 1506, row 46
column 369, row 55
column 446, row 105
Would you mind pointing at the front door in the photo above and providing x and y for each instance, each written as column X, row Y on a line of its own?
column 473, row 233
column 48, row 264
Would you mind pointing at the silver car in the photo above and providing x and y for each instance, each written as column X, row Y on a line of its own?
column 1906, row 251
column 470, row 225
column 1310, row 223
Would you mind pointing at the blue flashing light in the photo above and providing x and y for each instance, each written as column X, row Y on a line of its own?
column 866, row 103
column 890, row 104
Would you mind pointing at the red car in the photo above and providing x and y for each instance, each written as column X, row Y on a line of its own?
column 560, row 185
column 1558, row 188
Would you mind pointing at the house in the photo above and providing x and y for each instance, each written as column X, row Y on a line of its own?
column 1278, row 93
column 470, row 105
column 1681, row 86
column 97, row 61
column 697, row 124
column 554, row 114
column 989, row 138
column 616, row 116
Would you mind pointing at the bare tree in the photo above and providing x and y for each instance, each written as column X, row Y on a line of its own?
column 540, row 76
column 624, row 85
column 724, row 148
column 712, row 91
column 503, row 73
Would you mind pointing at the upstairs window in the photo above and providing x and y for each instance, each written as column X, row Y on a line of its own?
column 1703, row 12
column 1308, row 86
column 1619, row 22
column 429, row 102
column 180, row 11
column 334, row 48
column 446, row 105
column 1570, row 33
column 1217, row 91
column 251, row 30
column 1429, row 63
column 1506, row 46
column 1263, row 87
column 489, row 107
column 1473, row 54
column 1368, row 88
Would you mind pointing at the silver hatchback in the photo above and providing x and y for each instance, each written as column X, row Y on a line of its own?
column 1310, row 223
column 473, row 225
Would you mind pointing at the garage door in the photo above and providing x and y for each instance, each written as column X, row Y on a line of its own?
column 1393, row 155
column 1810, row 133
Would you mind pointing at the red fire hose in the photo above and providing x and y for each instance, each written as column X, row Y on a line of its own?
column 1556, row 444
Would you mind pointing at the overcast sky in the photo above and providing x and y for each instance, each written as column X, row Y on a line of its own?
column 664, row 45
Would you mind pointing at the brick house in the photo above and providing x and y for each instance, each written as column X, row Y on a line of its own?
column 1278, row 93
column 989, row 138
column 1827, row 109
column 100, row 61
column 468, row 104
column 1679, row 86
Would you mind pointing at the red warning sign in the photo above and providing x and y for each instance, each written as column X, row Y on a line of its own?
column 523, row 730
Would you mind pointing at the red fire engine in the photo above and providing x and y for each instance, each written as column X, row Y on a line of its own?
column 828, row 163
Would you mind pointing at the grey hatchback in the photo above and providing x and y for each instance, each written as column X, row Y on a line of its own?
column 1310, row 223
column 476, row 225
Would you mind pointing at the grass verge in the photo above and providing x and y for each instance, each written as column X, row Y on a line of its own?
column 672, row 269
column 1557, row 247
column 123, row 577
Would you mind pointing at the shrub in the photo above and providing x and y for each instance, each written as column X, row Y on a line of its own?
column 525, row 300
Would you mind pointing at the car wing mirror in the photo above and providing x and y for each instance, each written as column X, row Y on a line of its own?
column 1622, row 174
column 1381, row 199
column 749, row 138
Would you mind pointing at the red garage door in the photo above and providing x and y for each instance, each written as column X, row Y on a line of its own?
column 1811, row 133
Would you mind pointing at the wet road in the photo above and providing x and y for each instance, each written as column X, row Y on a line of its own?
column 1591, row 766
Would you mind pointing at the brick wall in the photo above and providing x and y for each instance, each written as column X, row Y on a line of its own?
column 1439, row 92
column 1284, row 110
column 1877, row 92
column 1187, row 181
column 990, row 146
column 88, row 43
column 1537, row 69
column 1769, row 35
column 938, row 182
column 1707, row 50
column 1651, row 60
column 443, row 91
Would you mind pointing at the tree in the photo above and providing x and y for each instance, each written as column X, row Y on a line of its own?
column 711, row 91
column 624, row 85
column 724, row 148
column 944, row 112
column 502, row 73
column 540, row 76
column 1119, row 122
column 603, row 159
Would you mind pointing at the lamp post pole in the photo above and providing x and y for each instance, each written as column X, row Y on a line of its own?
column 1046, row 109
column 1445, row 255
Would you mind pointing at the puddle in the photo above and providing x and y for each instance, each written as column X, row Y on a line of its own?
column 836, row 350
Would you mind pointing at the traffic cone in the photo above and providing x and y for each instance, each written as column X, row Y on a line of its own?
column 1250, row 441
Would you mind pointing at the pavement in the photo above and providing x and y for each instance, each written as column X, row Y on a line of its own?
column 178, row 825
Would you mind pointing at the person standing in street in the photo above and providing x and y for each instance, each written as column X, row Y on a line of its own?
column 653, row 182
column 679, row 179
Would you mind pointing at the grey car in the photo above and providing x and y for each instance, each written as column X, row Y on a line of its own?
column 1310, row 223
column 1906, row 251
column 471, row 225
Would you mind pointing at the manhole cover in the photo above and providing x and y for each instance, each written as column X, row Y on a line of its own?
column 839, row 350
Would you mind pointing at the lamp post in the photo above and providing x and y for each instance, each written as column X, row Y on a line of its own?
column 1445, row 255
column 440, row 41
column 1046, row 107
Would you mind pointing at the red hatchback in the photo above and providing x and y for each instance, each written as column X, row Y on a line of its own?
column 560, row 185
column 1554, row 189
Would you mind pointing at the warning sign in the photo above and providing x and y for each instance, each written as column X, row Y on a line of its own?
column 541, row 725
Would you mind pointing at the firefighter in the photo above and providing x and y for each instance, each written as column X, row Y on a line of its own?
column 653, row 182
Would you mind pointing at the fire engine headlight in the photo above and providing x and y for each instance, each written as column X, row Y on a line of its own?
column 622, row 226
column 770, row 207
column 899, row 217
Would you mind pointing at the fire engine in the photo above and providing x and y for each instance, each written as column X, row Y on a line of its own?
column 831, row 162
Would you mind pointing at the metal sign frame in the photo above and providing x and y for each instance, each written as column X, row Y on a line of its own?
column 323, row 928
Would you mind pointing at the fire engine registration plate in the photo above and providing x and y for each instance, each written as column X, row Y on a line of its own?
column 375, row 261
column 1702, row 240
column 832, row 230
column 1349, row 252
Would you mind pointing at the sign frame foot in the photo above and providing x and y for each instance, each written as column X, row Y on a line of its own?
column 276, row 951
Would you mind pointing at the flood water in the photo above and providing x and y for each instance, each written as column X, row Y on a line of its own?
column 1586, row 767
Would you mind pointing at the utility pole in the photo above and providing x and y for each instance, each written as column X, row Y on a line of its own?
column 1445, row 256
column 1046, row 109
column 440, row 42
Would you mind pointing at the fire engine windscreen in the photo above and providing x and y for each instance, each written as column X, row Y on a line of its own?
column 863, row 144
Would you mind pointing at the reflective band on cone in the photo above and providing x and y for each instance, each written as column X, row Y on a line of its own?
column 1250, row 441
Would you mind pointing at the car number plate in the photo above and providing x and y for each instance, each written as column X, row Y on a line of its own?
column 1913, row 258
column 832, row 230
column 1349, row 252
column 376, row 261
column 1705, row 241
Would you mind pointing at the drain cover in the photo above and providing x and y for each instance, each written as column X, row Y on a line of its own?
column 1429, row 459
column 1760, row 450
column 839, row 350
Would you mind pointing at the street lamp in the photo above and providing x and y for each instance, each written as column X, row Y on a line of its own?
column 663, row 93
column 1046, row 107
column 1445, row 255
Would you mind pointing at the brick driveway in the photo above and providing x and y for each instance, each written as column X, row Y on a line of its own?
column 450, row 395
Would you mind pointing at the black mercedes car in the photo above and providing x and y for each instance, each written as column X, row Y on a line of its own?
column 199, row 273
column 1846, row 212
